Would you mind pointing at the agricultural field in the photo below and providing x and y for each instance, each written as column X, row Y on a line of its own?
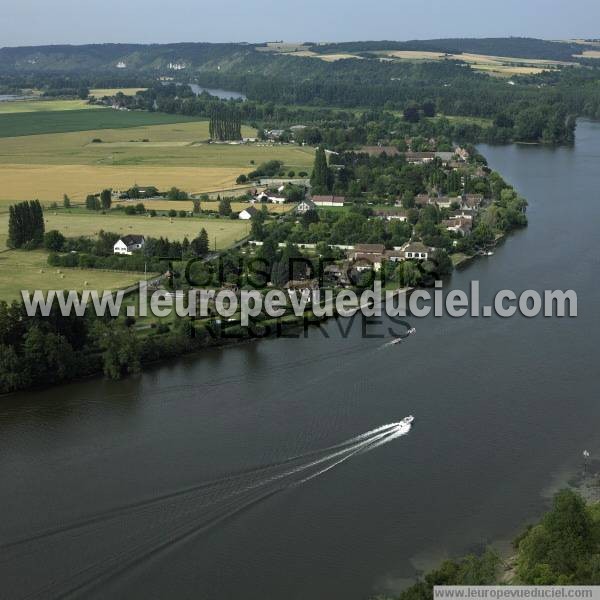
column 501, row 66
column 31, row 106
column 17, row 123
column 46, row 166
column 34, row 273
column 224, row 231
column 324, row 57
column 128, row 91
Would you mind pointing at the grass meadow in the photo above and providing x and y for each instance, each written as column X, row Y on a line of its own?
column 29, row 270
column 79, row 119
column 31, row 106
column 224, row 231
column 128, row 91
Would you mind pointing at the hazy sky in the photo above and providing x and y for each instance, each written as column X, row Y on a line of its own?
column 30, row 22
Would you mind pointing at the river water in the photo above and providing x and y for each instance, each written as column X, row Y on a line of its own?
column 239, row 473
column 219, row 93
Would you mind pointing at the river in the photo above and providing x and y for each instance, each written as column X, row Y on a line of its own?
column 219, row 93
column 221, row 476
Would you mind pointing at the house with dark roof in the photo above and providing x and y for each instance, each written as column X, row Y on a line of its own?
column 460, row 225
column 305, row 206
column 416, row 250
column 128, row 244
column 248, row 213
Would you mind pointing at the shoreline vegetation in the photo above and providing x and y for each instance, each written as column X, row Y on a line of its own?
column 575, row 507
column 562, row 548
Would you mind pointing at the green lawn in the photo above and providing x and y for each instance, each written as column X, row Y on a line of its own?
column 56, row 121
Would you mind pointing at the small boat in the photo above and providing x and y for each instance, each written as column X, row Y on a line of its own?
column 397, row 340
column 489, row 253
column 408, row 420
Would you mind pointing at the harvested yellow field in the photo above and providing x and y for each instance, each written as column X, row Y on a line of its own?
column 325, row 57
column 507, row 71
column 128, row 91
column 46, row 166
column 414, row 54
column 50, row 182
column 494, row 65
column 588, row 54
column 20, row 106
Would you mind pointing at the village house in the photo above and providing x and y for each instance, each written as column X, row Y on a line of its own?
column 463, row 213
column 460, row 225
column 415, row 158
column 378, row 150
column 445, row 157
column 328, row 200
column 472, row 201
column 248, row 213
column 128, row 244
column 277, row 199
column 422, row 200
column 461, row 153
column 305, row 206
column 390, row 215
column 446, row 201
column 300, row 286
column 368, row 256
column 415, row 250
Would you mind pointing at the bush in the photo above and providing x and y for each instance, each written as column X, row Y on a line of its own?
column 54, row 240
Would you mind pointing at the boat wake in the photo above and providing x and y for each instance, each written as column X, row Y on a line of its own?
column 113, row 543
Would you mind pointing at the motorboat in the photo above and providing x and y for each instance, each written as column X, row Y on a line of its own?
column 408, row 420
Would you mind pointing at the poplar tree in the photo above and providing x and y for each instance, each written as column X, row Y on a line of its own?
column 25, row 224
column 321, row 176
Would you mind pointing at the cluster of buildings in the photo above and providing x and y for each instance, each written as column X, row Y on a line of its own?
column 453, row 159
column 372, row 256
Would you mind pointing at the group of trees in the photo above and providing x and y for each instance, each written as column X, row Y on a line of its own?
column 26, row 225
column 101, row 201
column 225, row 122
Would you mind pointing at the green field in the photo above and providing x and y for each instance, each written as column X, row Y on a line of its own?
column 29, row 106
column 23, row 270
column 56, row 121
column 224, row 231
